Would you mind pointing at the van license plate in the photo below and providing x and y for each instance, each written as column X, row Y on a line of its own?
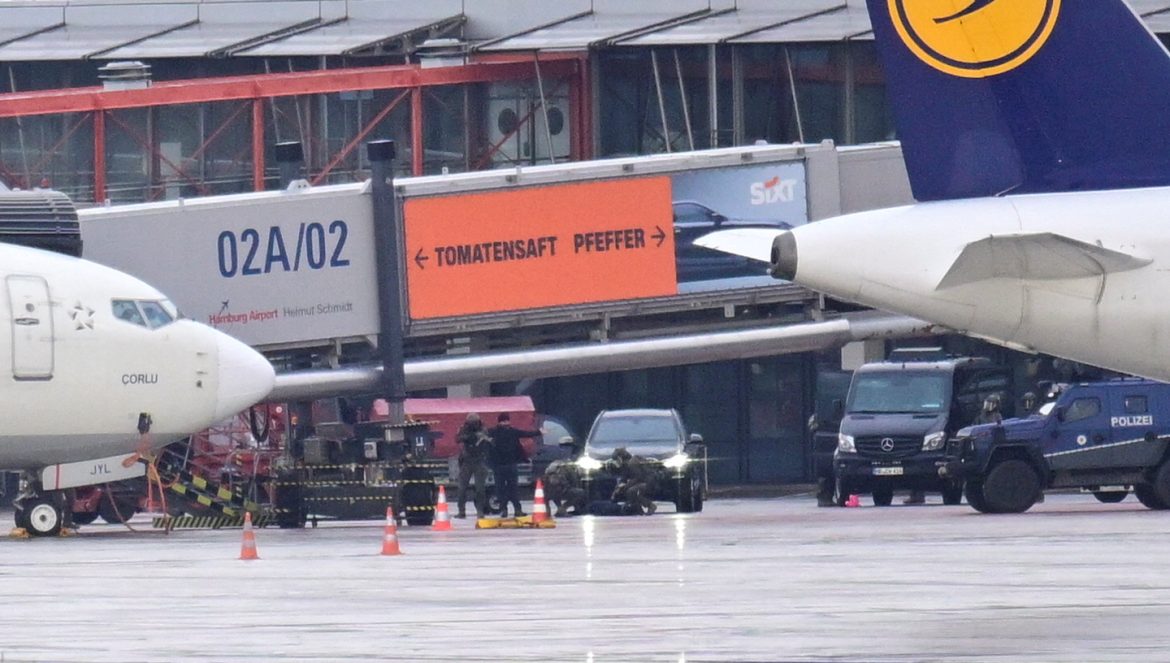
column 887, row 471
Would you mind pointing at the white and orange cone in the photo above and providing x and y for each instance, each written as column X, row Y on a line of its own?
column 248, row 548
column 539, row 508
column 390, row 538
column 442, row 516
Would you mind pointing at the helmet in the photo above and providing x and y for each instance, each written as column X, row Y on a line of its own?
column 620, row 454
column 991, row 402
column 473, row 418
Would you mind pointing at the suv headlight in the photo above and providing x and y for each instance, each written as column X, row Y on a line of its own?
column 676, row 461
column 845, row 444
column 934, row 441
column 589, row 463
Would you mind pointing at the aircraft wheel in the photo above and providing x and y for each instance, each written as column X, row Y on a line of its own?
column 42, row 516
column 115, row 516
column 1109, row 497
column 84, row 517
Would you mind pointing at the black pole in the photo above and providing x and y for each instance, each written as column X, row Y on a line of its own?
column 289, row 157
column 386, row 256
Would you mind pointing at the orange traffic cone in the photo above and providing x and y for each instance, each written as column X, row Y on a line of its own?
column 248, row 549
column 539, row 508
column 442, row 516
column 853, row 500
column 390, row 538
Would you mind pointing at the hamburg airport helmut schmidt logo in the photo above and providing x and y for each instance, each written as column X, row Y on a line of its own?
column 974, row 38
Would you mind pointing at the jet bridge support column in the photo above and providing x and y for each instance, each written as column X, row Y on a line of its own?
column 386, row 254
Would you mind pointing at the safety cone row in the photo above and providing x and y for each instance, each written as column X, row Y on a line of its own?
column 539, row 508
column 390, row 538
column 248, row 548
column 442, row 516
column 853, row 500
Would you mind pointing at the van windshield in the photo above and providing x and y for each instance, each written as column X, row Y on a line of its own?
column 902, row 392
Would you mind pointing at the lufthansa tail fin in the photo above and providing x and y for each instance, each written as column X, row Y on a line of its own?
column 1025, row 96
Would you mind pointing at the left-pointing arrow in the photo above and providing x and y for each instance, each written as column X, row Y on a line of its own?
column 419, row 259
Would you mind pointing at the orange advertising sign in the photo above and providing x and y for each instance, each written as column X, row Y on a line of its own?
column 538, row 247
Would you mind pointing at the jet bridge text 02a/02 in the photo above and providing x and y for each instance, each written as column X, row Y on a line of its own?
column 541, row 244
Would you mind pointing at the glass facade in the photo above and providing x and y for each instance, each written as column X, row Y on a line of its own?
column 737, row 95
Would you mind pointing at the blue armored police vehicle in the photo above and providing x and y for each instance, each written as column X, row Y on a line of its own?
column 1103, row 437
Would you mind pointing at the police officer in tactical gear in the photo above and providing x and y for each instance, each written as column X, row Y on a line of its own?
column 990, row 413
column 474, row 448
column 636, row 481
column 563, row 482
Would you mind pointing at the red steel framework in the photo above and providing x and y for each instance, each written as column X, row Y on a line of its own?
column 95, row 102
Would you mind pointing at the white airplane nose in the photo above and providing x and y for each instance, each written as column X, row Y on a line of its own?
column 245, row 377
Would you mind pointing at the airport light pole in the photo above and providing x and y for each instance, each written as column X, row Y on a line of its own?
column 389, row 275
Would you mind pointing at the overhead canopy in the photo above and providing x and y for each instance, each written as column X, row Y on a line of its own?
column 20, row 21
column 608, row 21
column 849, row 22
column 224, row 27
column 1155, row 14
column 370, row 25
column 747, row 17
column 90, row 30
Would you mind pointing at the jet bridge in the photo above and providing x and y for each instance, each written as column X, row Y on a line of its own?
column 498, row 260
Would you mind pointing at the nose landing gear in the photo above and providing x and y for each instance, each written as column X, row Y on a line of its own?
column 40, row 514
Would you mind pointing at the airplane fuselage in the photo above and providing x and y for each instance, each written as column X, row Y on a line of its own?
column 87, row 353
column 897, row 259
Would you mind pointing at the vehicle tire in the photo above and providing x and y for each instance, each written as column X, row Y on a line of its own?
column 42, row 516
column 115, row 516
column 953, row 495
column 690, row 494
column 973, row 491
column 1162, row 483
column 840, row 494
column 1149, row 499
column 84, row 517
column 883, row 496
column 1012, row 486
column 1110, row 497
column 418, row 492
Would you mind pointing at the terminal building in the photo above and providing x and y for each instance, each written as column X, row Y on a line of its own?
column 117, row 102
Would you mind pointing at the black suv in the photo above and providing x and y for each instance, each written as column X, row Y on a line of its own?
column 657, row 436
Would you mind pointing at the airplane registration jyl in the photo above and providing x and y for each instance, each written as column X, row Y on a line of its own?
column 94, row 363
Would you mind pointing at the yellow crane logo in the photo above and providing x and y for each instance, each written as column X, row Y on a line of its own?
column 974, row 38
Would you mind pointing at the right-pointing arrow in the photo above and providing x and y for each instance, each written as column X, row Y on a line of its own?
column 660, row 235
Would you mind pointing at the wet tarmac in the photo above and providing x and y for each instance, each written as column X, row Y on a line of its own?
column 747, row 580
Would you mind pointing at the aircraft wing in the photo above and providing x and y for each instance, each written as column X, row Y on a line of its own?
column 1035, row 256
column 751, row 243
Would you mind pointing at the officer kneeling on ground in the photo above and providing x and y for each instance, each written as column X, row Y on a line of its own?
column 637, row 479
column 563, row 480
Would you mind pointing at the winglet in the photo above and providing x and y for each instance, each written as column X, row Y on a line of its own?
column 1035, row 256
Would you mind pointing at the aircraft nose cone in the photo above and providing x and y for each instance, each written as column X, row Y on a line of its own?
column 245, row 377
column 784, row 257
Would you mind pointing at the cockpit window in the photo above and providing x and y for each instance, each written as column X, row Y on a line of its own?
column 143, row 312
column 125, row 309
column 155, row 314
